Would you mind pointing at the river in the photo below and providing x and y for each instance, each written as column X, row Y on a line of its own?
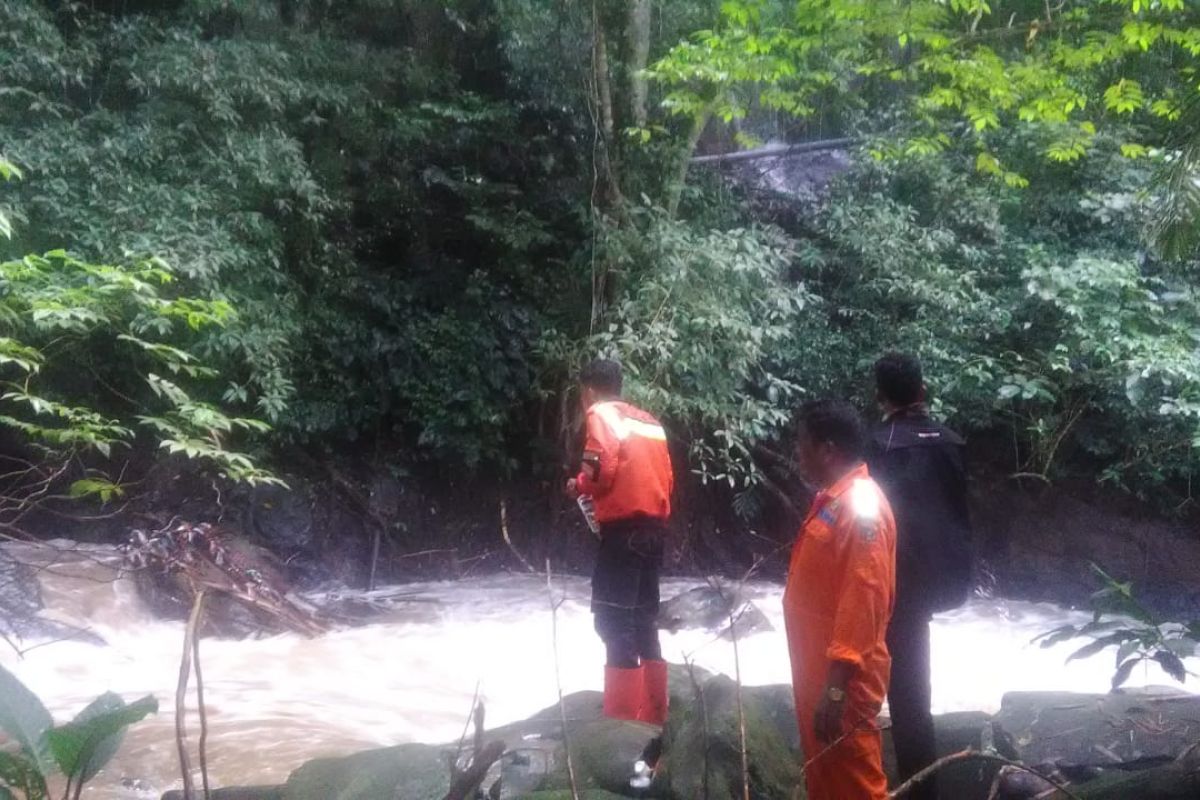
column 410, row 676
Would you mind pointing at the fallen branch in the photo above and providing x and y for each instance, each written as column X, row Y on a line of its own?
column 508, row 541
column 975, row 755
column 468, row 781
column 562, row 706
column 202, row 708
column 185, row 671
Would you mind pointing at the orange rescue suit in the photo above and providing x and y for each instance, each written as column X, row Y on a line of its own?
column 840, row 589
column 626, row 463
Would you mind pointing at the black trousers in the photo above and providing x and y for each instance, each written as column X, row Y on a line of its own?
column 910, row 696
column 625, row 590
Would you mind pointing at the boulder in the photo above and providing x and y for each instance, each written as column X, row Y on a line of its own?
column 1178, row 780
column 281, row 520
column 236, row 793
column 702, row 746
column 405, row 772
column 21, row 605
column 704, row 607
column 1100, row 729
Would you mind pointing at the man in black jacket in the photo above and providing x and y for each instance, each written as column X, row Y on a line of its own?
column 920, row 465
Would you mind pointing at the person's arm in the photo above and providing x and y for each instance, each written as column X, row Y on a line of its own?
column 600, row 455
column 860, row 622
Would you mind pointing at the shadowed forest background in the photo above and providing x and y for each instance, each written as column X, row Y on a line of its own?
column 394, row 230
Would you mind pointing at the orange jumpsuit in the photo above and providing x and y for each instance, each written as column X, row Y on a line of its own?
column 840, row 588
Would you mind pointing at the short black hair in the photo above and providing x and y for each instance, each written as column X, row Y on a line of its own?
column 835, row 422
column 604, row 375
column 898, row 379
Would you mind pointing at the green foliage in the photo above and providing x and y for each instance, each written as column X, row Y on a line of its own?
column 77, row 750
column 342, row 177
column 57, row 310
column 965, row 71
column 1136, row 633
column 696, row 327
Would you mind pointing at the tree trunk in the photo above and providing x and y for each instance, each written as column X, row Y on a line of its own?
column 638, row 37
column 600, row 72
column 679, row 180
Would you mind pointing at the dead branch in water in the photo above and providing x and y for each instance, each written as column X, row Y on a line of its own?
column 562, row 706
column 508, row 541
column 464, row 783
column 185, row 670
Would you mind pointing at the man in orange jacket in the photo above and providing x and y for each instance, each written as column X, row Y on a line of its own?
column 627, row 472
column 839, row 595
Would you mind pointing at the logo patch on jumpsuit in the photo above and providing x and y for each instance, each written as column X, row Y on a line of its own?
column 865, row 503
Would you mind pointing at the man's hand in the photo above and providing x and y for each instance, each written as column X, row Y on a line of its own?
column 572, row 489
column 829, row 721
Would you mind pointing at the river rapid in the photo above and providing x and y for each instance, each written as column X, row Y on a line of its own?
column 276, row 701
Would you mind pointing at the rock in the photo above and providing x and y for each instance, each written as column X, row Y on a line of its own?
column 604, row 752
column 1179, row 780
column 702, row 752
column 1040, row 546
column 281, row 520
column 705, row 607
column 21, row 605
column 1102, row 729
column 236, row 793
column 406, row 772
column 748, row 620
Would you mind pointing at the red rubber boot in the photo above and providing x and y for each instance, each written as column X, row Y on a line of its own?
column 654, row 692
column 622, row 692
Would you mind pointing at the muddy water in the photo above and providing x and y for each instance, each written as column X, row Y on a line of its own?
column 274, row 702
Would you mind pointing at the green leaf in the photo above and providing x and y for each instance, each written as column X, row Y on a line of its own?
column 25, row 720
column 83, row 746
column 19, row 772
column 1096, row 646
column 1171, row 664
column 1124, row 671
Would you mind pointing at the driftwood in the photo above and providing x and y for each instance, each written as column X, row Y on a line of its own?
column 465, row 782
column 210, row 563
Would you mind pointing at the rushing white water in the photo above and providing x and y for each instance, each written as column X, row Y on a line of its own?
column 276, row 701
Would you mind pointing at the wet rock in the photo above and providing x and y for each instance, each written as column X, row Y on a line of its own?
column 702, row 751
column 704, row 607
column 237, row 793
column 1101, row 730
column 20, row 597
column 748, row 620
column 281, row 520
column 21, row 605
column 1178, row 780
column 406, row 772
column 711, row 608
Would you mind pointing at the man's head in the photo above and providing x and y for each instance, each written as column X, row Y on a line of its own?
column 599, row 381
column 831, row 440
column 898, row 382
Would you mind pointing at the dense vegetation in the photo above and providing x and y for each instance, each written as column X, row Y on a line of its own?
column 426, row 214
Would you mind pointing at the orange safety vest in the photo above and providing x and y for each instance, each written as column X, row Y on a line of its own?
column 626, row 463
column 840, row 590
